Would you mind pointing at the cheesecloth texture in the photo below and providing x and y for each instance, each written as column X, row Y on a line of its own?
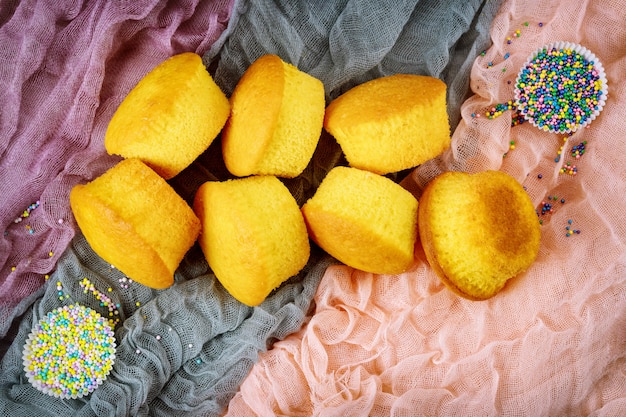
column 553, row 342
column 64, row 69
column 184, row 350
column 344, row 43
column 181, row 351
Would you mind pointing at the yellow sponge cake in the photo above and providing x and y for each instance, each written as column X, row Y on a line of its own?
column 253, row 235
column 391, row 123
column 134, row 220
column 170, row 117
column 364, row 220
column 477, row 231
column 276, row 120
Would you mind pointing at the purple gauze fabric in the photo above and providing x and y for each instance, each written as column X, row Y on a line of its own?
column 64, row 69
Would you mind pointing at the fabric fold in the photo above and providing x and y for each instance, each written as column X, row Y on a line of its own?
column 553, row 341
column 181, row 350
column 64, row 69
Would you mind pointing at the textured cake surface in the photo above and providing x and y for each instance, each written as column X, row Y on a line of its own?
column 392, row 123
column 364, row 220
column 478, row 231
column 133, row 219
column 253, row 235
column 170, row 117
column 276, row 120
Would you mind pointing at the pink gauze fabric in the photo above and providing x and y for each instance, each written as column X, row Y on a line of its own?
column 553, row 342
column 64, row 69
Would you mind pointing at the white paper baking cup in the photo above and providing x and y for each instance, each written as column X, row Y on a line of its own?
column 66, row 364
column 532, row 112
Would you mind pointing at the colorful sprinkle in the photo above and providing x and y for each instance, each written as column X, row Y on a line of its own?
column 559, row 90
column 60, row 293
column 546, row 208
column 104, row 300
column 497, row 111
column 125, row 282
column 570, row 231
column 579, row 150
column 511, row 147
column 569, row 169
column 70, row 352
column 560, row 151
column 27, row 212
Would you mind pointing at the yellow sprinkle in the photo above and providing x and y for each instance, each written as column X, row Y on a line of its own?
column 51, row 254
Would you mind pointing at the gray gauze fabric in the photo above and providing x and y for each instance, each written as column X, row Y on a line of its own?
column 181, row 351
column 347, row 42
column 207, row 342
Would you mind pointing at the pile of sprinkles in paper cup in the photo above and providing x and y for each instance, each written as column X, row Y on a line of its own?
column 561, row 88
column 70, row 352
